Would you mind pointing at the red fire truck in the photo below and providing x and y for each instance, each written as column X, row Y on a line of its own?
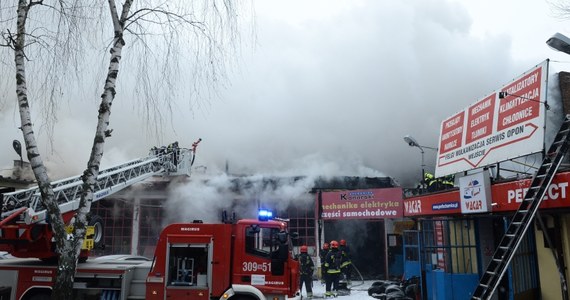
column 248, row 259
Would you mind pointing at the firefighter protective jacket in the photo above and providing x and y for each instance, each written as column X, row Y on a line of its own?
column 306, row 264
column 333, row 261
column 345, row 257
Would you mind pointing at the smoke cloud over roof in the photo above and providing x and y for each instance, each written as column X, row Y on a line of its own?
column 328, row 88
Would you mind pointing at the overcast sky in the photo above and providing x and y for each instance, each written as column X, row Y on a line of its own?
column 328, row 87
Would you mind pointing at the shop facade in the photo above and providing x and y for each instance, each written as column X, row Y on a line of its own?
column 371, row 222
column 451, row 248
column 134, row 217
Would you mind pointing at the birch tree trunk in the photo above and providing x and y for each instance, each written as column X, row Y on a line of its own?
column 68, row 249
column 68, row 263
column 38, row 168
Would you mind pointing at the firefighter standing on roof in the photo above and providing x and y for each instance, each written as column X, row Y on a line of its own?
column 306, row 268
column 438, row 184
column 346, row 264
column 430, row 182
column 332, row 264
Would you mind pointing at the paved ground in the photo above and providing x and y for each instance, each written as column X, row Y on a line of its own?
column 359, row 290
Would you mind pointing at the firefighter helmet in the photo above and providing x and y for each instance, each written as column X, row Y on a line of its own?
column 342, row 242
column 326, row 246
column 304, row 249
column 334, row 244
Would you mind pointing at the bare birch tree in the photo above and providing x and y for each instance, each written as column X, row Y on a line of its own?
column 211, row 23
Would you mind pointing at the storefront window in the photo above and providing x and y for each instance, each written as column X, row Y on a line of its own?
column 450, row 245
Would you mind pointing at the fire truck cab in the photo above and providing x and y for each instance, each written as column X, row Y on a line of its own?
column 251, row 259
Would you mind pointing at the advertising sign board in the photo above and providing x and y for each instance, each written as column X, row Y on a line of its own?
column 475, row 190
column 506, row 124
column 362, row 204
column 506, row 197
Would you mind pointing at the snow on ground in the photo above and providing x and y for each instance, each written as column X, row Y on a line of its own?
column 359, row 290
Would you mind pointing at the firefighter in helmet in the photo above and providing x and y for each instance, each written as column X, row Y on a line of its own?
column 322, row 256
column 438, row 184
column 448, row 181
column 174, row 149
column 306, row 269
column 346, row 264
column 430, row 182
column 332, row 264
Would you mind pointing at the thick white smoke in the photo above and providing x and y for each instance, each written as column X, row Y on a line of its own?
column 315, row 87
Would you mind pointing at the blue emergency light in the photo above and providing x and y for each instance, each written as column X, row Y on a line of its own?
column 264, row 215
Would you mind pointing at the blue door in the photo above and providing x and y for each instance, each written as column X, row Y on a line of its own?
column 411, row 244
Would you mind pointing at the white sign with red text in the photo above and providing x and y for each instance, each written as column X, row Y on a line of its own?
column 475, row 191
column 506, row 124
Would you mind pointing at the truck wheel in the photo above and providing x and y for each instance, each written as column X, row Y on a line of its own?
column 243, row 297
column 97, row 222
column 41, row 296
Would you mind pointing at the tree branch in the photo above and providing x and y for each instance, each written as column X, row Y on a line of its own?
column 32, row 3
column 133, row 18
column 9, row 38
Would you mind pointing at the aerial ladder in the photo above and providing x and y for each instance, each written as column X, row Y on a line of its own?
column 523, row 217
column 24, row 224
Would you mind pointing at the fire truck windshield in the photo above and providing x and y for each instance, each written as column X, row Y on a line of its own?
column 260, row 241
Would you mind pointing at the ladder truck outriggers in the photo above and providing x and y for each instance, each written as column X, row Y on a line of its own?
column 24, row 227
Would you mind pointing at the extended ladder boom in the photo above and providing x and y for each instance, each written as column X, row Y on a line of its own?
column 524, row 216
column 111, row 180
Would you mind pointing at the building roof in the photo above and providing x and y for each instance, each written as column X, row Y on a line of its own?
column 353, row 183
column 14, row 182
column 321, row 183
